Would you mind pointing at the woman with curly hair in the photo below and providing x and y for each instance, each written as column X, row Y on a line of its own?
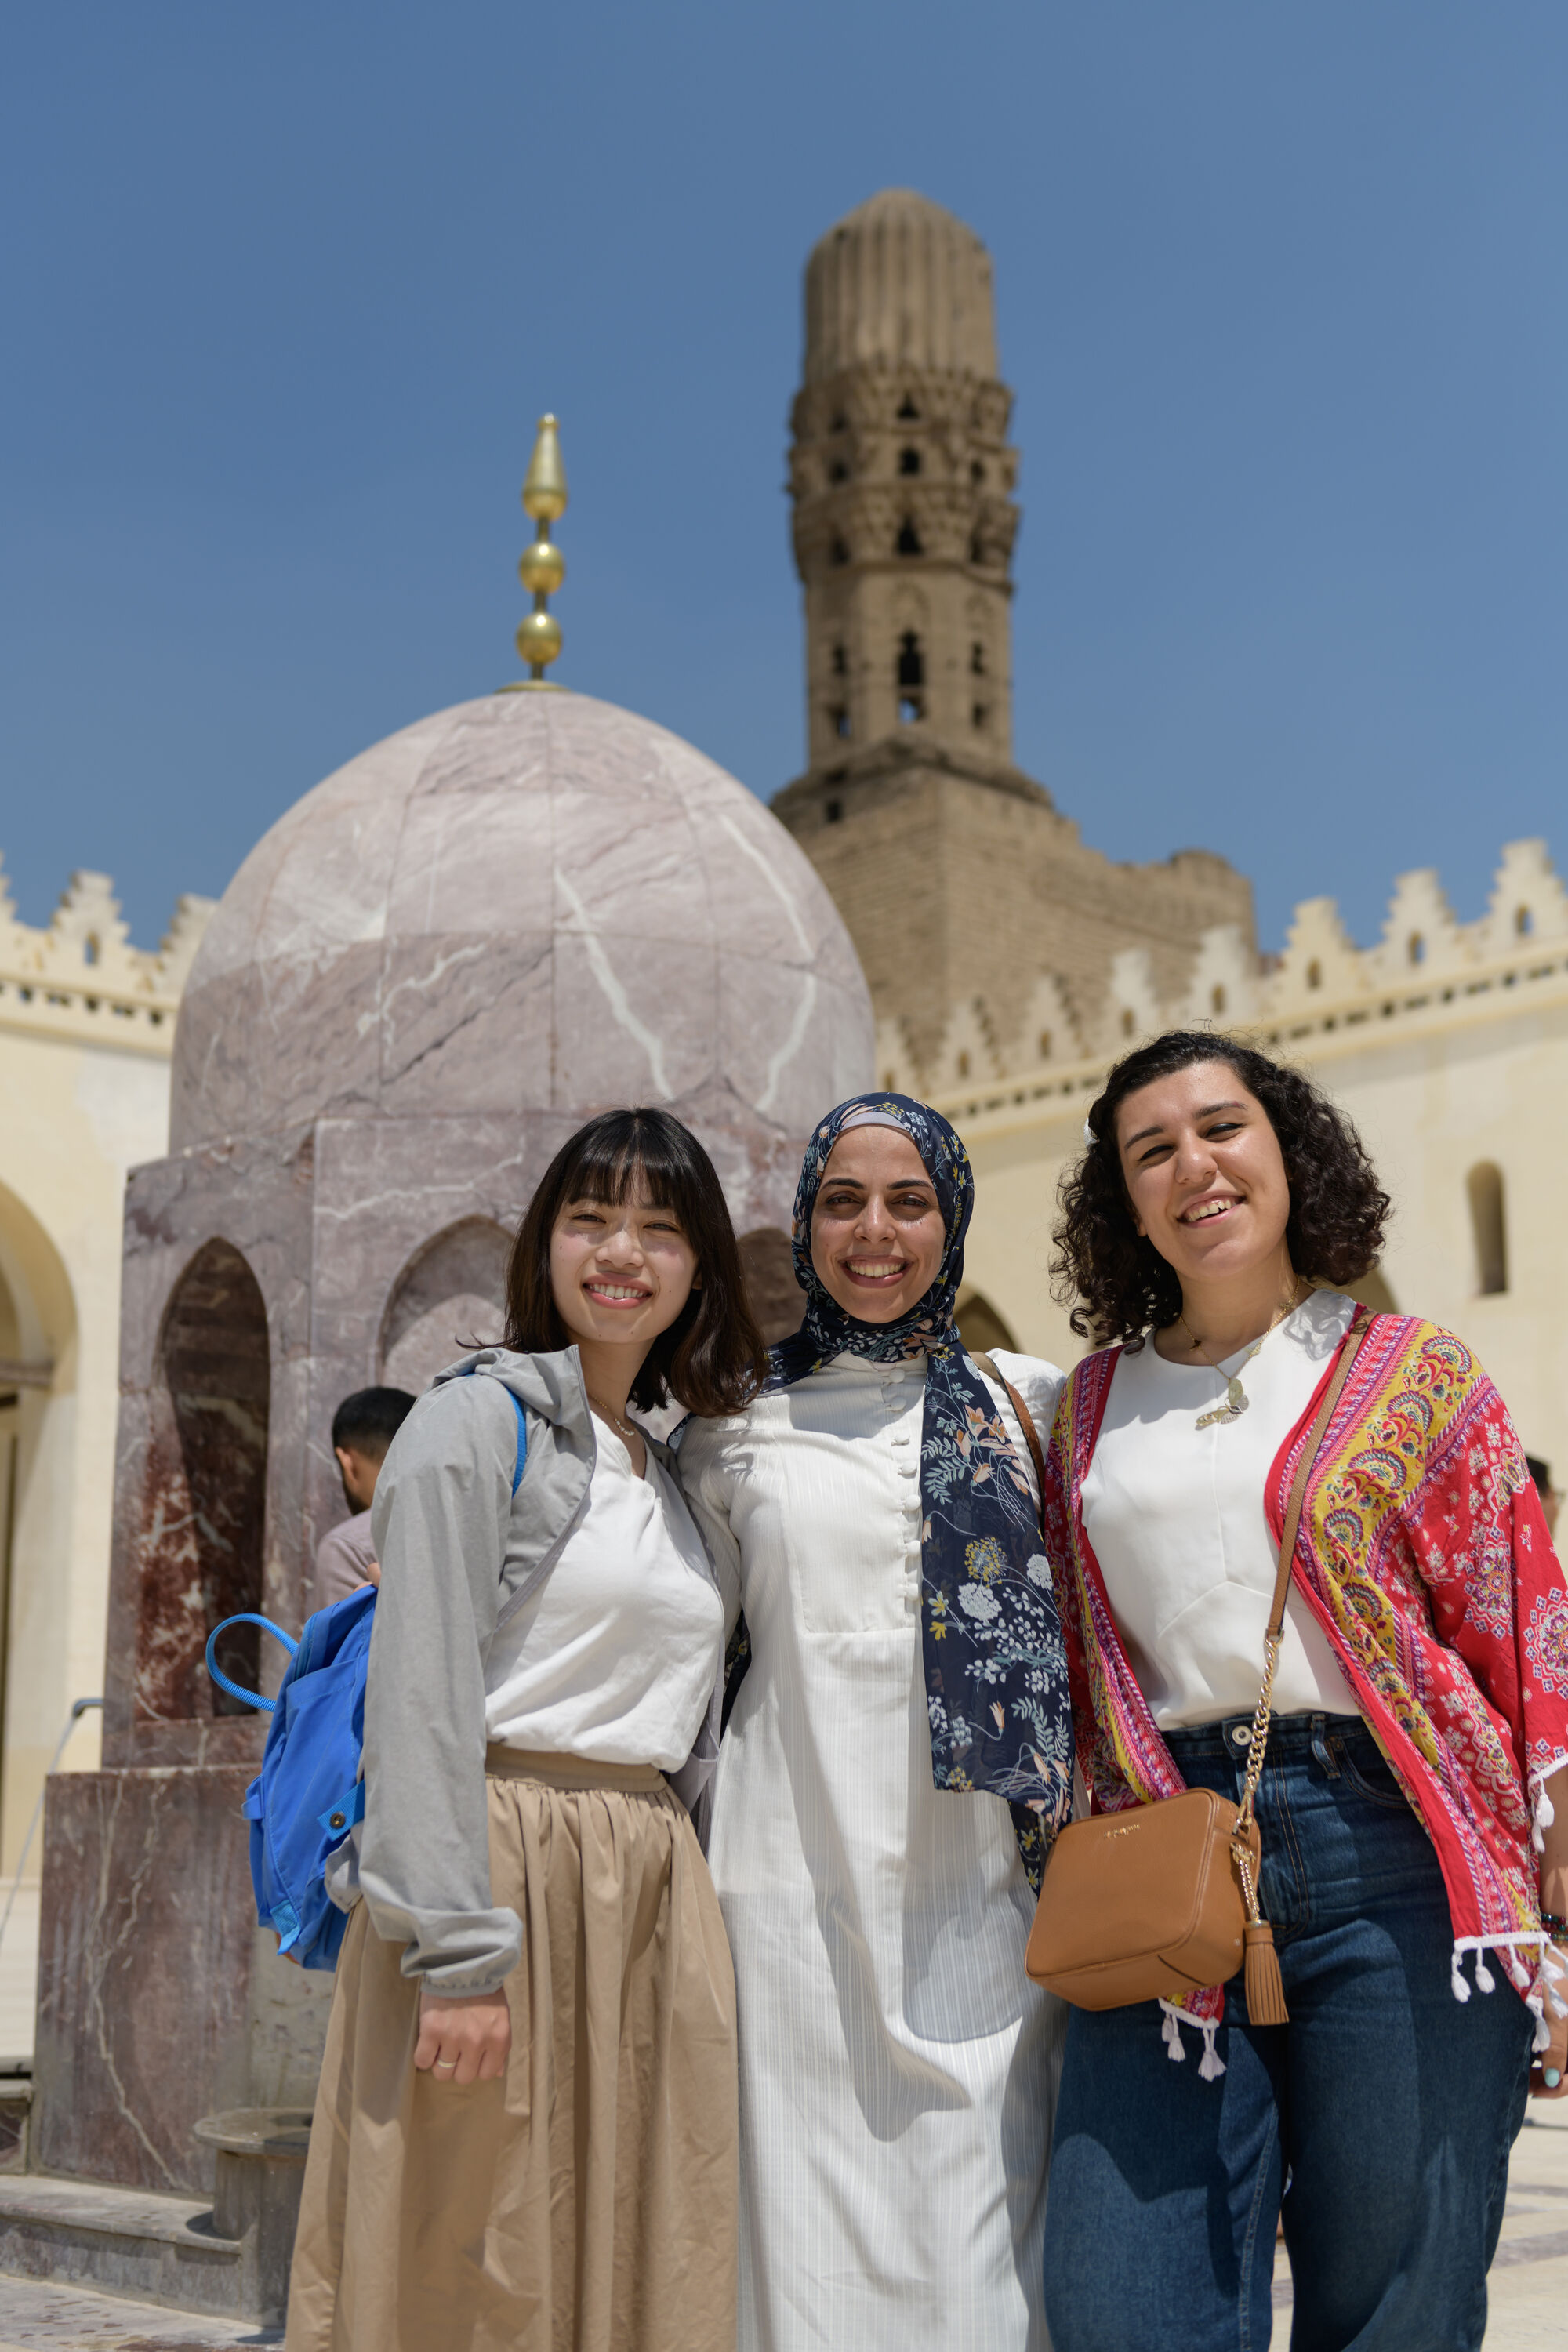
column 1410, row 1855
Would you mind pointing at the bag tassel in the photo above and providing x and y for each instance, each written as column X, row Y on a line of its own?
column 1265, row 1986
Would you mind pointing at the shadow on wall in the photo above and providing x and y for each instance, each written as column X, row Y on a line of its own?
column 206, row 1494
column 980, row 1327
column 775, row 1298
column 449, row 1298
column 1373, row 1291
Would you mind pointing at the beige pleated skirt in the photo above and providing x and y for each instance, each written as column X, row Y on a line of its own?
column 589, row 2201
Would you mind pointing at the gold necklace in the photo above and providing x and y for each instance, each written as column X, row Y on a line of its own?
column 1237, row 1400
column 623, row 1428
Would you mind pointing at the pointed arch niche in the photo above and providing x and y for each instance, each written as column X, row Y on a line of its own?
column 980, row 1327
column 1488, row 1226
column 449, row 1298
column 767, row 1267
column 204, row 1501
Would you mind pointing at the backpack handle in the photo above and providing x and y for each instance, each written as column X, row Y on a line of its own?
column 247, row 1617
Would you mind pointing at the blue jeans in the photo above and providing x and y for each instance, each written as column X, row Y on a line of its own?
column 1379, row 2121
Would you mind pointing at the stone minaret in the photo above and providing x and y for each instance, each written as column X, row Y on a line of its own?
column 962, row 886
column 901, row 474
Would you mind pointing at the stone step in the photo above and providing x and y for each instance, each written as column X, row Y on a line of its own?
column 124, row 2242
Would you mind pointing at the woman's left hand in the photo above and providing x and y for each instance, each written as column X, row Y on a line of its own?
column 1549, row 2067
column 463, row 2039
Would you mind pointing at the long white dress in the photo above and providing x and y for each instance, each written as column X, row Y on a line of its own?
column 897, row 2069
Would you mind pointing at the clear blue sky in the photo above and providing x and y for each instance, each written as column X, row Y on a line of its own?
column 1281, row 294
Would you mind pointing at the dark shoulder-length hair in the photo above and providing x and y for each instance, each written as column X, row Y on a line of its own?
column 711, row 1359
column 1115, row 1280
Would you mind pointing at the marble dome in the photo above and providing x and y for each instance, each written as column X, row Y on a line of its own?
column 530, row 903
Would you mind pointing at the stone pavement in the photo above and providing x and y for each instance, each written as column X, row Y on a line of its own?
column 1529, row 2276
column 1529, row 2283
column 38, row 2317
column 1528, row 2305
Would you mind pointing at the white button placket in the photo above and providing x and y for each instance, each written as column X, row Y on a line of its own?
column 906, row 1454
column 908, row 1469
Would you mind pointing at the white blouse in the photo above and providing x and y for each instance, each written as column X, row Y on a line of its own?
column 1175, row 1516
column 615, row 1656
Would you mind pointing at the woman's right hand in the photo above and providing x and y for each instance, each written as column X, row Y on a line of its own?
column 1549, row 2067
column 465, row 2038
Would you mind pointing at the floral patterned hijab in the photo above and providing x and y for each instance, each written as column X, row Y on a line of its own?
column 995, row 1666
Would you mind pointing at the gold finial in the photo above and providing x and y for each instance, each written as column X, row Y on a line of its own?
column 544, row 491
column 542, row 567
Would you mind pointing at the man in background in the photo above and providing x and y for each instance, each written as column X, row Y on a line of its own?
column 363, row 1426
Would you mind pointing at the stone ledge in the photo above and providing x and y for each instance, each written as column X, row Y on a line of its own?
column 148, row 2247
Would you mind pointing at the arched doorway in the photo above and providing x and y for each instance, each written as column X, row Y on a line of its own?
column 39, row 1499
column 450, row 1296
column 13, row 1367
column 205, row 1499
column 773, row 1294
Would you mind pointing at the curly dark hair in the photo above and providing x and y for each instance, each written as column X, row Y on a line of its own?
column 1114, row 1279
column 711, row 1359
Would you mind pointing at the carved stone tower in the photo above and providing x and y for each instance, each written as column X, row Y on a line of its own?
column 901, row 473
column 972, row 904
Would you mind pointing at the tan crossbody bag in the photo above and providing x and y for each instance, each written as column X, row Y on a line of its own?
column 1155, row 1902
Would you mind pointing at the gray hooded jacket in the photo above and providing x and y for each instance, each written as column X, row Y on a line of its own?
column 459, row 1555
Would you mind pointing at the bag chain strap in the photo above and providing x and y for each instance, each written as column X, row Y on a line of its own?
column 1273, row 1640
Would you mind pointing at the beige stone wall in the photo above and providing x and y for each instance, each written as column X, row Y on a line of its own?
column 86, row 1029
column 956, row 888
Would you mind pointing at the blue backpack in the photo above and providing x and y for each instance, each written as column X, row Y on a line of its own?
column 308, row 1793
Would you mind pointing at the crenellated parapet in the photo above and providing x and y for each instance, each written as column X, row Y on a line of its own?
column 79, row 977
column 1427, row 968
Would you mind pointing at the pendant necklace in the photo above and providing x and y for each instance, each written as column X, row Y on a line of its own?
column 625, row 1430
column 1236, row 1397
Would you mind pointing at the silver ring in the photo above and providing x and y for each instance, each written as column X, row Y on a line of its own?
column 445, row 2065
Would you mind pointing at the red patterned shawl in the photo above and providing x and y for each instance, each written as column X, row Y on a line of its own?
column 1424, row 1555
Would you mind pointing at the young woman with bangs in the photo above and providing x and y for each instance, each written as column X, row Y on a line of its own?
column 525, row 2134
column 1415, row 1834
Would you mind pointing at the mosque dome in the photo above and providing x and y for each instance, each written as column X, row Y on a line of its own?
column 901, row 282
column 533, row 903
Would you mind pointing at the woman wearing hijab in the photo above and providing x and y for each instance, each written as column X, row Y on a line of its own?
column 896, row 1758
